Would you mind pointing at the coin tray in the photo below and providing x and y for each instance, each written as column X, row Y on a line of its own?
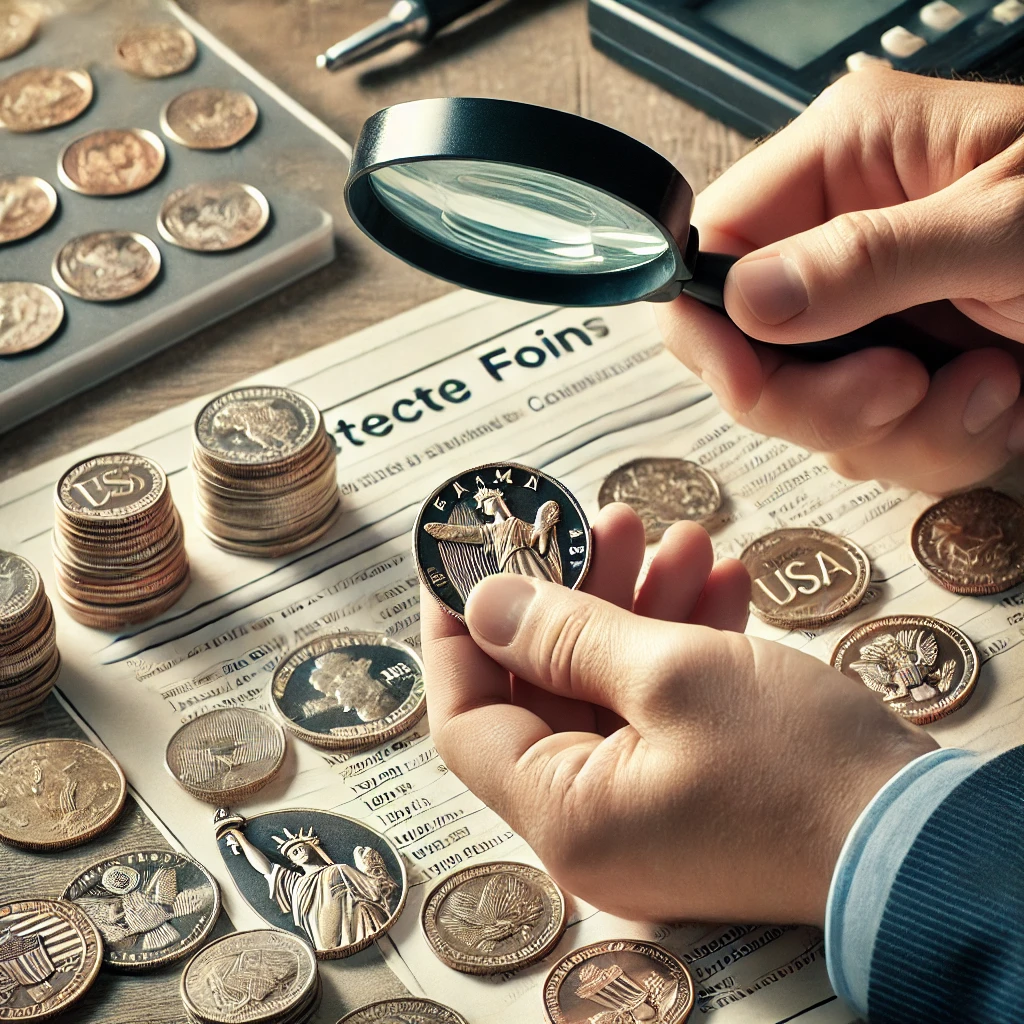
column 98, row 339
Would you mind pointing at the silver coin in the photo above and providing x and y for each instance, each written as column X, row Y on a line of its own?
column 26, row 206
column 106, row 266
column 19, row 587
column 213, row 216
column 30, row 314
column 111, row 487
column 411, row 1010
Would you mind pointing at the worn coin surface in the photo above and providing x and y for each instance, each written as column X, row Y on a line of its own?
column 30, row 314
column 156, row 51
column 152, row 907
column 404, row 1011
column 58, row 793
column 661, row 492
column 213, row 216
column 38, row 98
column 249, row 976
column 105, row 266
column 50, row 954
column 19, row 588
column 805, row 578
column 112, row 162
column 26, row 206
column 115, row 486
column 18, row 27
column 496, row 917
column 972, row 543
column 923, row 668
column 349, row 690
column 620, row 980
column 497, row 518
column 209, row 118
column 226, row 754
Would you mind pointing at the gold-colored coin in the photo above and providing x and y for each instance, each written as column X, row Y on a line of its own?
column 39, row 98
column 156, row 51
column 213, row 216
column 18, row 27
column 29, row 315
column 112, row 162
column 209, row 118
column 106, row 266
column 26, row 206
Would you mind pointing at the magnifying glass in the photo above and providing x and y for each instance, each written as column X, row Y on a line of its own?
column 532, row 203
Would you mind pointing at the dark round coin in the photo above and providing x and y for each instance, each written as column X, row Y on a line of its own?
column 30, row 314
column 622, row 980
column 209, row 118
column 111, row 487
column 213, row 216
column 972, row 543
column 499, row 518
column 404, row 1011
column 34, row 99
column 26, row 205
column 112, row 161
column 492, row 918
column 349, row 690
column 107, row 266
column 18, row 27
column 805, row 578
column 156, row 51
column 152, row 907
column 921, row 667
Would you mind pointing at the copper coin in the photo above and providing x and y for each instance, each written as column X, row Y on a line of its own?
column 20, row 587
column 156, row 51
column 106, row 266
column 226, row 754
column 492, row 918
column 26, row 206
column 58, row 793
column 619, row 981
column 923, row 668
column 805, row 578
column 972, row 543
column 410, row 1010
column 209, row 118
column 18, row 27
column 39, row 98
column 51, row 954
column 112, row 162
column 213, row 216
column 30, row 314
column 111, row 487
column 661, row 492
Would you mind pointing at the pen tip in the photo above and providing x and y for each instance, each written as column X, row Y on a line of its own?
column 321, row 61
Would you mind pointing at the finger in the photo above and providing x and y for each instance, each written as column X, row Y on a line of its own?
column 617, row 553
column 677, row 574
column 725, row 602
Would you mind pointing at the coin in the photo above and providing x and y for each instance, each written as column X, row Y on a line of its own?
column 105, row 266
column 620, row 980
column 661, row 492
column 922, row 667
column 19, row 588
column 156, row 51
column 805, row 578
column 499, row 518
column 113, row 487
column 972, row 543
column 404, row 1011
column 111, row 162
column 38, row 98
column 26, row 206
column 152, row 907
column 50, row 952
column 29, row 315
column 18, row 27
column 58, row 793
column 349, row 690
column 226, row 754
column 213, row 216
column 496, row 917
column 209, row 118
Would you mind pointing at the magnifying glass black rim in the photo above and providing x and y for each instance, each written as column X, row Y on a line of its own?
column 532, row 137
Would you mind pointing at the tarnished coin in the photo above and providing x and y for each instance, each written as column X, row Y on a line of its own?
column 226, row 754
column 156, row 51
column 26, row 206
column 972, row 543
column 251, row 976
column 209, row 118
column 213, row 216
column 805, row 578
column 922, row 667
column 404, row 1011
column 622, row 980
column 106, row 266
column 661, row 492
column 491, row 918
column 29, row 315
column 497, row 518
column 39, row 98
column 18, row 27
column 111, row 487
column 346, row 690
column 58, row 793
column 50, row 954
column 152, row 907
column 112, row 162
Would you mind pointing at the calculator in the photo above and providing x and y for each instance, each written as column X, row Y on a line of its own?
column 755, row 64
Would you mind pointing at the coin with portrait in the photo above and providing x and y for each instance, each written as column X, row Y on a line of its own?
column 112, row 162
column 34, row 99
column 26, row 206
column 29, row 315
column 18, row 27
column 411, row 1010
column 156, row 51
column 106, row 266
column 209, row 118
column 20, row 587
column 213, row 216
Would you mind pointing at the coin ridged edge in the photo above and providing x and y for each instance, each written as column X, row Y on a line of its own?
column 451, row 1016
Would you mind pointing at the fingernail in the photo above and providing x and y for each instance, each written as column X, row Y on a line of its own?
column 991, row 397
column 772, row 288
column 1015, row 439
column 887, row 406
column 497, row 606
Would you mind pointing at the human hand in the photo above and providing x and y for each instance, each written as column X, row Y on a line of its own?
column 661, row 766
column 891, row 191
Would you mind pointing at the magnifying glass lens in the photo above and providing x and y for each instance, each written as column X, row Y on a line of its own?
column 518, row 217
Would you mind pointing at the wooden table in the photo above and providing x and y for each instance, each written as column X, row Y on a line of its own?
column 532, row 50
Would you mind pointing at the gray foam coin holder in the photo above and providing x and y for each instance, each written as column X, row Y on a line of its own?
column 98, row 339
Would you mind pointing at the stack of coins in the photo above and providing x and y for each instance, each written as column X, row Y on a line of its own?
column 29, row 660
column 118, row 543
column 265, row 473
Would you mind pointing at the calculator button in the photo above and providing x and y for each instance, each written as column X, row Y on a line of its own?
column 1008, row 11
column 940, row 15
column 860, row 60
column 901, row 42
